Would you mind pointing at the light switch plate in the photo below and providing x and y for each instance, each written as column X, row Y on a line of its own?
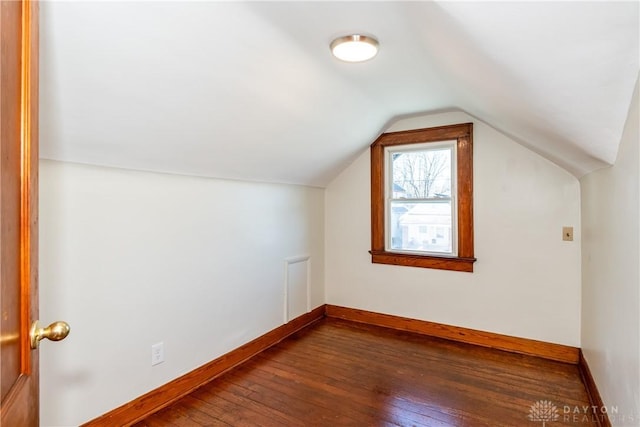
column 567, row 234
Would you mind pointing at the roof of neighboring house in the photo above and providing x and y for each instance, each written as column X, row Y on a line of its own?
column 427, row 213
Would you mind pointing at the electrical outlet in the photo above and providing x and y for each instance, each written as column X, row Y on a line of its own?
column 157, row 353
column 567, row 234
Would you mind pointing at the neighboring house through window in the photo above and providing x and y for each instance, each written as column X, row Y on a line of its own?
column 422, row 198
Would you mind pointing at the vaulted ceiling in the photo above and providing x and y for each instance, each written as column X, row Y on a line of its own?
column 249, row 90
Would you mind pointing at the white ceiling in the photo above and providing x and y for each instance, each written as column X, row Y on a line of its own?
column 249, row 90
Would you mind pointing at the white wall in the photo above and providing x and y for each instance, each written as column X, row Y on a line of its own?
column 133, row 258
column 611, row 276
column 526, row 281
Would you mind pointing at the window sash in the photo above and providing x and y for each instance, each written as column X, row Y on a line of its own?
column 389, row 200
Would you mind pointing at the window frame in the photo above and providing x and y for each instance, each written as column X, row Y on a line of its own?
column 462, row 134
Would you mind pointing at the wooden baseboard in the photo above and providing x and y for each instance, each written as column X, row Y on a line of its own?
column 558, row 352
column 594, row 395
column 149, row 403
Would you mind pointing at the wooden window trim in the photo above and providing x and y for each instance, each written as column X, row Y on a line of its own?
column 463, row 135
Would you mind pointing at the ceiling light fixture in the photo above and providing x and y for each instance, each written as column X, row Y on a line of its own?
column 354, row 48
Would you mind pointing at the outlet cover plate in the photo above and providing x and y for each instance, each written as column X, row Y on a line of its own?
column 157, row 353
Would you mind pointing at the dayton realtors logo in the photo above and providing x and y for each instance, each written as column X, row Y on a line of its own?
column 543, row 411
column 546, row 411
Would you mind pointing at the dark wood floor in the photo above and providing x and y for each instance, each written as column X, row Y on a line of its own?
column 339, row 373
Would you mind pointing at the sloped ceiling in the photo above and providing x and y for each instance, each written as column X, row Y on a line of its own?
column 249, row 90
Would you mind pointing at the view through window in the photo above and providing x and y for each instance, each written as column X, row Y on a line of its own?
column 420, row 206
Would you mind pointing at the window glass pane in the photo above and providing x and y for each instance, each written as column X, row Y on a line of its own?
column 421, row 227
column 421, row 174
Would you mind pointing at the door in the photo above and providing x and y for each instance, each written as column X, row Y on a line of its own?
column 18, row 211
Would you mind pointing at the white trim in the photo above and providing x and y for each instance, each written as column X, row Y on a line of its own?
column 297, row 259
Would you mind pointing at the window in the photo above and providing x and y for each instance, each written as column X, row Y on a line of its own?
column 422, row 198
column 418, row 197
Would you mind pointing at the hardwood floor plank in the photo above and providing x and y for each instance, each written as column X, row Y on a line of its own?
column 181, row 415
column 348, row 404
column 342, row 373
column 296, row 402
column 341, row 388
column 274, row 400
column 515, row 381
column 520, row 371
column 229, row 393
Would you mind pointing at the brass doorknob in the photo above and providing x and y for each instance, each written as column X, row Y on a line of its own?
column 55, row 332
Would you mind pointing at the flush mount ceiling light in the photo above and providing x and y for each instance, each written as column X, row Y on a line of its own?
column 354, row 48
